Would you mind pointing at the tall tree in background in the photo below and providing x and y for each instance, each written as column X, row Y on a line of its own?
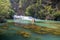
column 19, row 6
column 4, row 7
column 15, row 5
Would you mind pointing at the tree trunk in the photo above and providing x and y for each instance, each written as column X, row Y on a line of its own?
column 15, row 7
column 20, row 11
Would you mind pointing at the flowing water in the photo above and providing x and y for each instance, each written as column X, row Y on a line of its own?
column 10, row 33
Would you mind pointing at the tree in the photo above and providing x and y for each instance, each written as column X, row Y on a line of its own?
column 4, row 7
column 38, row 10
column 19, row 6
column 4, row 10
column 34, row 8
column 15, row 5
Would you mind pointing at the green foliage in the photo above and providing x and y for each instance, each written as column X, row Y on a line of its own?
column 48, row 10
column 21, row 2
column 41, row 11
column 32, row 10
column 4, row 6
column 57, row 13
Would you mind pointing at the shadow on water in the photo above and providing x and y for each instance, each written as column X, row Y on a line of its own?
column 14, row 37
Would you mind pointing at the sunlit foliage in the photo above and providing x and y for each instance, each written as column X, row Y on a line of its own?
column 4, row 6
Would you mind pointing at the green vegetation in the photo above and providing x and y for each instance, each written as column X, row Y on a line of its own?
column 39, row 11
column 33, row 8
column 4, row 7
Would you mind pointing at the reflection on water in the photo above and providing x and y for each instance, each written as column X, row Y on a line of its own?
column 9, row 32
